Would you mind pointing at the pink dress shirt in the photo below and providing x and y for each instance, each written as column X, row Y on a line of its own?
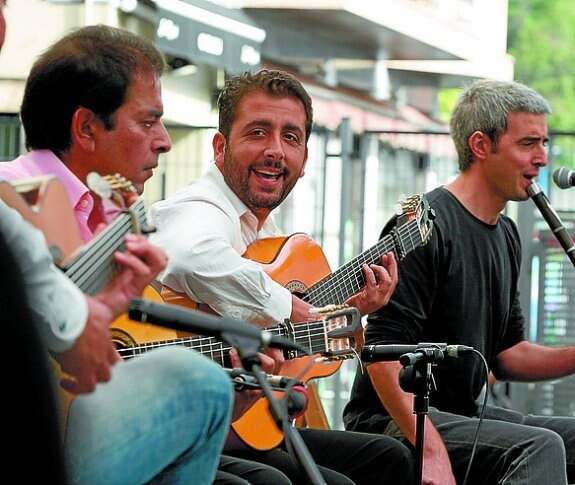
column 45, row 162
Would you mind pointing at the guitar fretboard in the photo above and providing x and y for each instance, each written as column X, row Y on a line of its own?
column 94, row 266
column 309, row 335
column 347, row 280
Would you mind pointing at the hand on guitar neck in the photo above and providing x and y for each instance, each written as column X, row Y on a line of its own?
column 102, row 268
column 90, row 359
column 380, row 283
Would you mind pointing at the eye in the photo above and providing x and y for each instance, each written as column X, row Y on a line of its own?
column 292, row 137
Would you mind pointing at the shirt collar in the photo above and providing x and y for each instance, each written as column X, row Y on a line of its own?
column 244, row 213
column 49, row 164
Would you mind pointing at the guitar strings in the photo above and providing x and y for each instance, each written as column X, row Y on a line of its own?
column 315, row 335
column 95, row 265
column 204, row 345
column 338, row 286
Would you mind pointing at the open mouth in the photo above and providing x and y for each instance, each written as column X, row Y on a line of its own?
column 268, row 175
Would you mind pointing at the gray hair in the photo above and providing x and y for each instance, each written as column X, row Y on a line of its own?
column 485, row 106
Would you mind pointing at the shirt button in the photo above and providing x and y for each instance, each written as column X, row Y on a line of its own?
column 83, row 203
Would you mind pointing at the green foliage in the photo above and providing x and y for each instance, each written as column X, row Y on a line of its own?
column 446, row 99
column 541, row 36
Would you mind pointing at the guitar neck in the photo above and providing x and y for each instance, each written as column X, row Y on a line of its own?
column 346, row 281
column 208, row 346
column 309, row 335
column 94, row 265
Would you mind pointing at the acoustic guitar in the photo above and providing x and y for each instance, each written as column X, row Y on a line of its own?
column 299, row 264
column 336, row 335
column 43, row 201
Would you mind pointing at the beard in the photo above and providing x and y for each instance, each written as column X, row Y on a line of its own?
column 240, row 182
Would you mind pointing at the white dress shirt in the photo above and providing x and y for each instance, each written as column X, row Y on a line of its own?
column 204, row 229
column 58, row 306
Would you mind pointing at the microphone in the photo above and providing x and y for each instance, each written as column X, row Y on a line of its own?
column 385, row 353
column 551, row 217
column 227, row 329
column 296, row 392
column 564, row 177
column 243, row 380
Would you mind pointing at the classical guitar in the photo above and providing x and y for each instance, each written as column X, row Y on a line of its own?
column 300, row 265
column 336, row 335
column 43, row 202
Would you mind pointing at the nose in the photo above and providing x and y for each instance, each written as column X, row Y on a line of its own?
column 274, row 149
column 541, row 158
column 163, row 142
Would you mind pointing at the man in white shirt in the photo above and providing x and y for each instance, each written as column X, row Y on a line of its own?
column 260, row 151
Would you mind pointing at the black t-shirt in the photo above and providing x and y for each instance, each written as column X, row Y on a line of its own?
column 460, row 288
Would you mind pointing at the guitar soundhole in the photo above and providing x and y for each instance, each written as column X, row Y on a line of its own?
column 296, row 287
column 121, row 339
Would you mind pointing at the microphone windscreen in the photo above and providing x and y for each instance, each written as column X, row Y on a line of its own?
column 562, row 177
column 298, row 400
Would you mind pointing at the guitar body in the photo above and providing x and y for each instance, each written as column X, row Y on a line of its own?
column 44, row 202
column 297, row 263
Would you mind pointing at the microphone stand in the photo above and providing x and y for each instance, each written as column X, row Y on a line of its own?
column 247, row 349
column 416, row 377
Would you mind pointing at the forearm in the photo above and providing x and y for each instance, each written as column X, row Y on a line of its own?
column 529, row 362
column 399, row 405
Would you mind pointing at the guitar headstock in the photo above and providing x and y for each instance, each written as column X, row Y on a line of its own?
column 123, row 194
column 414, row 222
column 343, row 331
column 113, row 187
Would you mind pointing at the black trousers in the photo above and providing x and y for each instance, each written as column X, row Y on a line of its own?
column 343, row 458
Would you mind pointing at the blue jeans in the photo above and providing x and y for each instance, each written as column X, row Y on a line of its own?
column 512, row 448
column 162, row 418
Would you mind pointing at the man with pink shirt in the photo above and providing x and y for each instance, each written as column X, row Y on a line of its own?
column 45, row 162
column 93, row 103
column 91, row 119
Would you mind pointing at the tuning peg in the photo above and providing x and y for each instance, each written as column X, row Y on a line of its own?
column 99, row 185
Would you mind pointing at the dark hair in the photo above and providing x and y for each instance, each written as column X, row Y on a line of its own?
column 273, row 82
column 92, row 67
column 485, row 106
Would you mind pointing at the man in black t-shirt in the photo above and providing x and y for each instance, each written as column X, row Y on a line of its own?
column 461, row 288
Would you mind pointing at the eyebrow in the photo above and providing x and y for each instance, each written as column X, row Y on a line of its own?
column 267, row 124
column 150, row 112
column 545, row 139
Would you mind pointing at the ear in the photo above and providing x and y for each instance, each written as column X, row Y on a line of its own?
column 219, row 146
column 480, row 145
column 83, row 129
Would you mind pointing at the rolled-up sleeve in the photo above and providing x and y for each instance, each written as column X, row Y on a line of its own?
column 57, row 305
column 205, row 263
